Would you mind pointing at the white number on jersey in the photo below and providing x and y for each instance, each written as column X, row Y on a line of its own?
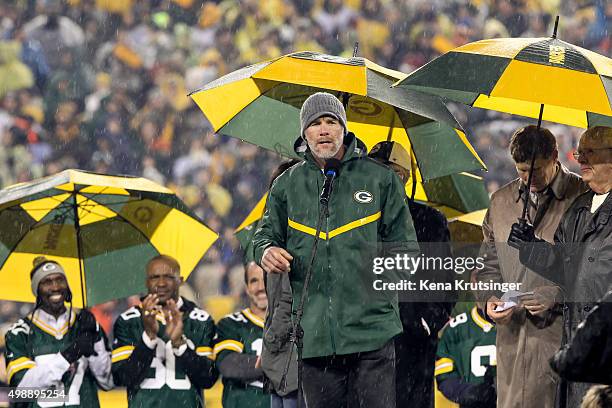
column 237, row 317
column 199, row 314
column 75, row 386
column 20, row 327
column 130, row 313
column 457, row 320
column 256, row 346
column 165, row 374
column 476, row 359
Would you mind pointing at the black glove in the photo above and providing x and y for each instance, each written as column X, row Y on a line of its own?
column 479, row 396
column 521, row 234
column 83, row 345
column 87, row 322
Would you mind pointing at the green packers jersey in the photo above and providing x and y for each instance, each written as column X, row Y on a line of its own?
column 165, row 383
column 241, row 332
column 32, row 342
column 467, row 348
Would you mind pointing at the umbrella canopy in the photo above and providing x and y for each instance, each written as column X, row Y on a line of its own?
column 260, row 104
column 245, row 230
column 467, row 228
column 101, row 229
column 453, row 195
column 518, row 75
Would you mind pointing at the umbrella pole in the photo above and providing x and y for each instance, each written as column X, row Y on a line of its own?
column 413, row 169
column 523, row 220
column 346, row 95
column 77, row 227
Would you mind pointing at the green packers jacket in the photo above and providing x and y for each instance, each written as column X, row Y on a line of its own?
column 367, row 213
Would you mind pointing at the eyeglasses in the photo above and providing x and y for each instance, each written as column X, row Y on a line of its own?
column 586, row 153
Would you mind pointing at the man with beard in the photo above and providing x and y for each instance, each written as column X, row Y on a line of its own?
column 348, row 327
column 239, row 343
column 162, row 350
column 581, row 259
column 53, row 348
column 527, row 334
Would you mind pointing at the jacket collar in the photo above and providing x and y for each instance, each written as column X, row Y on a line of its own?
column 57, row 327
column 558, row 186
column 477, row 317
column 355, row 148
column 582, row 204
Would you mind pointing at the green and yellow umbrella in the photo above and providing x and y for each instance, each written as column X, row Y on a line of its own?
column 260, row 104
column 519, row 75
column 102, row 229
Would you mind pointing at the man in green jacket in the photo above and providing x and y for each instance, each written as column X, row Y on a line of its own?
column 348, row 327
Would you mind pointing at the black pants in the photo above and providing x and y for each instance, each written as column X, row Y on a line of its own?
column 360, row 380
column 415, row 358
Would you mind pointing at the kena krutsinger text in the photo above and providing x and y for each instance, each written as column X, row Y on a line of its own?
column 403, row 263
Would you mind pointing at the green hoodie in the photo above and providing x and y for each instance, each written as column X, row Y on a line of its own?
column 342, row 314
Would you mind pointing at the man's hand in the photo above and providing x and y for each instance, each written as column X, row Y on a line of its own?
column 520, row 234
column 542, row 300
column 174, row 323
column 150, row 308
column 276, row 260
column 87, row 322
column 83, row 345
column 502, row 317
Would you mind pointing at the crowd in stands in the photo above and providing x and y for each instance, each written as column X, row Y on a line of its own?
column 101, row 85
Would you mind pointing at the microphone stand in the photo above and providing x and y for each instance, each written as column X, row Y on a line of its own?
column 297, row 332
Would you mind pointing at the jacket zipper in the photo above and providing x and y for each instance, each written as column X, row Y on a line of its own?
column 329, row 280
column 331, row 297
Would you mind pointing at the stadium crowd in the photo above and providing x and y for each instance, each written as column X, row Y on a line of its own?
column 101, row 85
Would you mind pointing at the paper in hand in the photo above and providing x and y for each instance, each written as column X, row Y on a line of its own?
column 511, row 298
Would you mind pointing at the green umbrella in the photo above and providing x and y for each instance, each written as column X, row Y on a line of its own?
column 454, row 195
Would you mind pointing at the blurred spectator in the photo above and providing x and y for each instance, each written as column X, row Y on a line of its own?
column 55, row 32
column 14, row 74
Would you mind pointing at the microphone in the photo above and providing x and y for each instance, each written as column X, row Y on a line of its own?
column 331, row 171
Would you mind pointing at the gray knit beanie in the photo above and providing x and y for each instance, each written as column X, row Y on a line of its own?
column 321, row 104
column 42, row 268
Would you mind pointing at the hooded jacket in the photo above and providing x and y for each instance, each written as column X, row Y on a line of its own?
column 367, row 213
